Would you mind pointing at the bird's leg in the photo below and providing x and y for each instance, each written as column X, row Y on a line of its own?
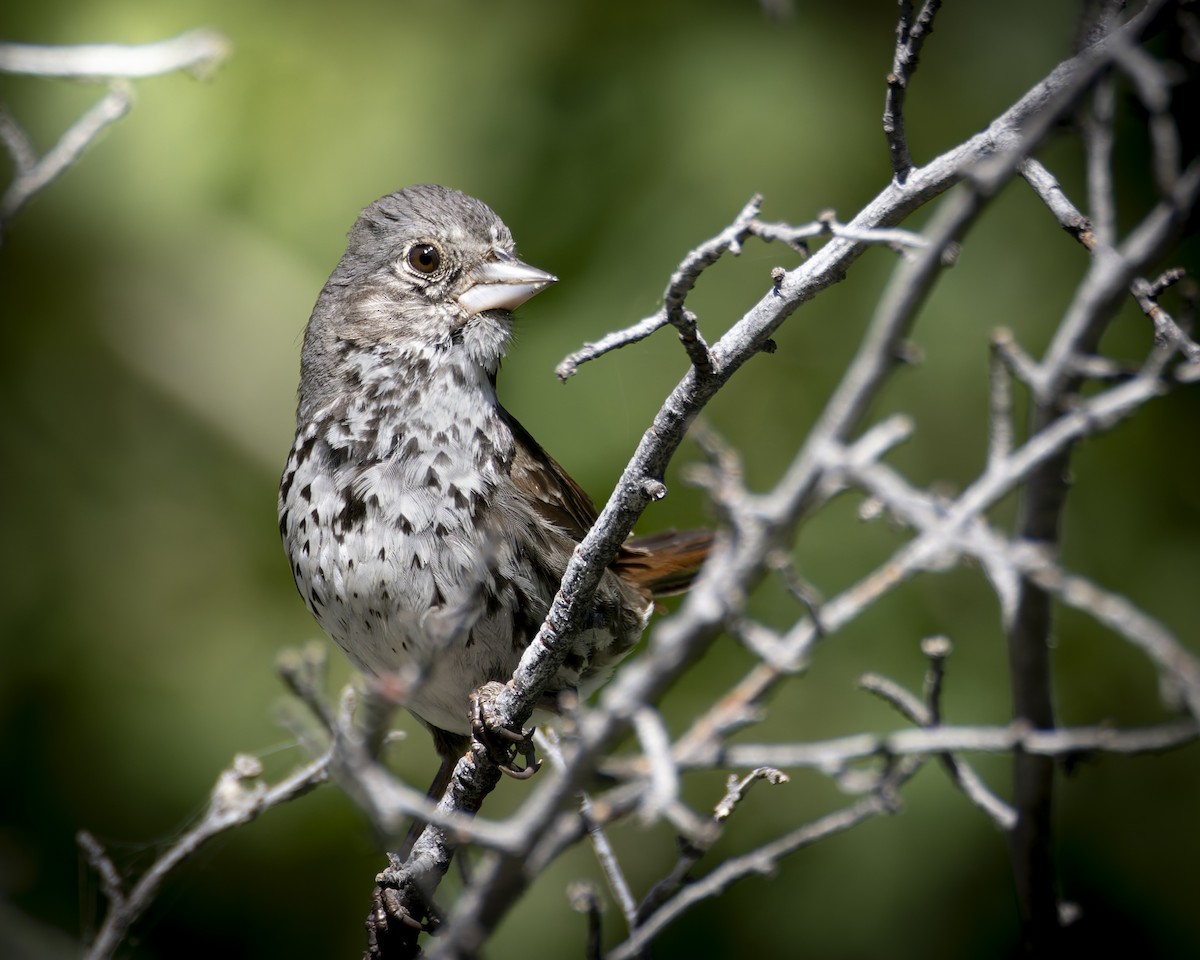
column 440, row 781
column 387, row 903
column 503, row 744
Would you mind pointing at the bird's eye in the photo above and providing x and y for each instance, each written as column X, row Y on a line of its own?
column 424, row 257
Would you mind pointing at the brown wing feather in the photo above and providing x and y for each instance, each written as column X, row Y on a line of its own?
column 660, row 564
column 556, row 497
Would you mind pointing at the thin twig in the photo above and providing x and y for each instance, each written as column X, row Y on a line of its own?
column 584, row 900
column 198, row 51
column 664, row 778
column 570, row 364
column 762, row 861
column 730, row 240
column 910, row 37
column 606, row 856
column 736, row 789
column 1000, row 402
column 78, row 137
column 231, row 804
column 1060, row 742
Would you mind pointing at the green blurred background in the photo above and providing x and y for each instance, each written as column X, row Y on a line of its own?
column 153, row 301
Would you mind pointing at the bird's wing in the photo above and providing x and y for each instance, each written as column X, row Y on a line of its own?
column 557, row 498
column 660, row 564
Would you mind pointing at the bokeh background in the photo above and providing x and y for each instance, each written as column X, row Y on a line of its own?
column 153, row 301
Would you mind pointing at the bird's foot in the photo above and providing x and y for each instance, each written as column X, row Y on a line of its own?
column 398, row 915
column 503, row 744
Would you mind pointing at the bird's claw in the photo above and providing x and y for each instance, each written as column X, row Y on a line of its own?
column 389, row 909
column 532, row 764
column 503, row 744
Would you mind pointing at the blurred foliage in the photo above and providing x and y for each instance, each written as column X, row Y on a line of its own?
column 153, row 301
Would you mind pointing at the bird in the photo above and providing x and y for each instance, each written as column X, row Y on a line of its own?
column 426, row 529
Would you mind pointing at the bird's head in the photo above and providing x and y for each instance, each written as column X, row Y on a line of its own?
column 426, row 269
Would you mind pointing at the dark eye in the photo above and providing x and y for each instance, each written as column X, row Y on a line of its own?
column 424, row 258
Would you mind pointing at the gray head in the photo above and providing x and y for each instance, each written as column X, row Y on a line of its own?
column 426, row 268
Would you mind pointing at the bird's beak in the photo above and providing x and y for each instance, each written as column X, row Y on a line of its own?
column 502, row 282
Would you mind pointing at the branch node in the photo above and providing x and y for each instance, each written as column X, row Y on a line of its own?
column 937, row 648
column 909, row 353
column 736, row 789
column 98, row 860
column 654, row 489
column 584, row 899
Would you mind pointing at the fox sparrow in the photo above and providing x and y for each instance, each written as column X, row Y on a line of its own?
column 426, row 529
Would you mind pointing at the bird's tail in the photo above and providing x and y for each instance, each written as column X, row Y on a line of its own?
column 666, row 563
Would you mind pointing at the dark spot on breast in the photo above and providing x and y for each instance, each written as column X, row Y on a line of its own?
column 305, row 451
column 288, row 479
column 440, row 530
column 457, row 496
column 457, row 375
column 283, row 522
column 483, row 444
column 442, row 459
column 306, row 492
column 337, row 456
column 432, row 479
column 411, row 448
column 350, row 564
column 354, row 509
column 306, row 548
column 382, row 554
column 403, row 524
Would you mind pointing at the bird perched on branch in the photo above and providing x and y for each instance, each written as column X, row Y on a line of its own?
column 426, row 529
